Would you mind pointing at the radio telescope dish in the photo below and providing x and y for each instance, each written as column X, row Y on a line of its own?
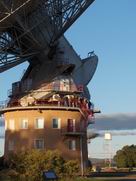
column 33, row 31
column 29, row 28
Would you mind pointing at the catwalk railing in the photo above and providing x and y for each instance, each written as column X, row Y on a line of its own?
column 26, row 87
column 17, row 103
column 73, row 130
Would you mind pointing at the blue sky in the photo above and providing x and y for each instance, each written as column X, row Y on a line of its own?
column 108, row 27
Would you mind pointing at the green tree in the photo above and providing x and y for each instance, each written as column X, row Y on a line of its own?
column 126, row 157
column 29, row 165
column 120, row 159
column 71, row 168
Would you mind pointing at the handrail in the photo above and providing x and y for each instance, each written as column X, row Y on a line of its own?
column 54, row 86
column 87, row 112
column 73, row 130
column 3, row 104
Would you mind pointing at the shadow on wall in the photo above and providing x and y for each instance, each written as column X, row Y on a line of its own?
column 26, row 139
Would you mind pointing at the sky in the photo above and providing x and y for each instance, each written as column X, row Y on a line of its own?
column 108, row 27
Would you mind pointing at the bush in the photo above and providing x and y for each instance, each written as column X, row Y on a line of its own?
column 29, row 165
column 13, row 175
column 1, row 163
column 71, row 168
column 4, row 175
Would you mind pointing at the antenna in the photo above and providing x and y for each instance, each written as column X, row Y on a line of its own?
column 28, row 27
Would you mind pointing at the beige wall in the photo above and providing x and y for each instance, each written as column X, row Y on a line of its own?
column 53, row 138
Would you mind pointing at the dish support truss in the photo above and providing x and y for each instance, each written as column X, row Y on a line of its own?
column 18, row 19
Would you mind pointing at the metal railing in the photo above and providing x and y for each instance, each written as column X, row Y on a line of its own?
column 73, row 131
column 88, row 113
column 47, row 87
column 3, row 104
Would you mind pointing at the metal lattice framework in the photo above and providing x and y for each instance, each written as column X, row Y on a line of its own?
column 20, row 18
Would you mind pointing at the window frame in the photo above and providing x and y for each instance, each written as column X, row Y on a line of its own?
column 70, row 145
column 11, row 126
column 35, row 123
column 71, row 127
column 35, row 146
column 11, row 145
column 6, row 125
column 58, row 123
column 22, row 123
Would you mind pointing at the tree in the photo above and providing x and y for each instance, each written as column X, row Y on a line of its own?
column 1, row 162
column 120, row 159
column 71, row 168
column 29, row 165
column 126, row 157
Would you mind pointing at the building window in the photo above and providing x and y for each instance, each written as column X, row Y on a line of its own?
column 24, row 123
column 56, row 122
column 12, row 124
column 39, row 123
column 71, row 125
column 6, row 125
column 11, row 145
column 72, row 145
column 39, row 144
